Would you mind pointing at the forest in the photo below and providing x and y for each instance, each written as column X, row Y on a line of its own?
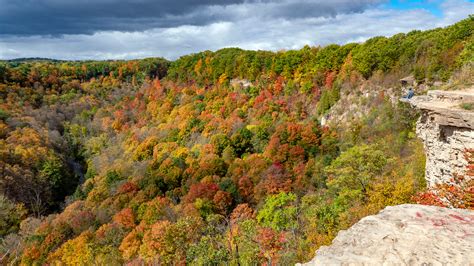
column 154, row 161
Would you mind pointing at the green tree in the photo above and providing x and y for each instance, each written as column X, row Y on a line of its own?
column 279, row 212
column 11, row 215
column 220, row 142
column 242, row 141
column 351, row 173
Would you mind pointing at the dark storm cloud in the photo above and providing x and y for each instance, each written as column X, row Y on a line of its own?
column 38, row 17
column 58, row 17
column 304, row 9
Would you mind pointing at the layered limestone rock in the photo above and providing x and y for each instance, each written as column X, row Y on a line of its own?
column 404, row 235
column 447, row 131
column 241, row 83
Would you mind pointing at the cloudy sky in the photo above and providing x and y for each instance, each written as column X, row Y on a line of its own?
column 125, row 29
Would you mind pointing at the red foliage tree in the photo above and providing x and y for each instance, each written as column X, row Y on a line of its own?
column 201, row 190
column 278, row 87
column 246, row 188
column 125, row 218
column 222, row 200
column 330, row 77
column 275, row 180
column 242, row 212
column 270, row 243
column 127, row 187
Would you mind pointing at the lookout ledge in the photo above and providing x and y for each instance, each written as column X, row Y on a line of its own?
column 447, row 108
column 446, row 126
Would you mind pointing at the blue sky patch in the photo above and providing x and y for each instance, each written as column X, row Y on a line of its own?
column 432, row 6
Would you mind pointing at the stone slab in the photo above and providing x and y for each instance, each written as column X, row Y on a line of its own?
column 404, row 235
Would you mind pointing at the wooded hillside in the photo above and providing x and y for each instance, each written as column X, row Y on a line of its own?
column 152, row 161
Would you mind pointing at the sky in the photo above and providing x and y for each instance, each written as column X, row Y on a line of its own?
column 128, row 29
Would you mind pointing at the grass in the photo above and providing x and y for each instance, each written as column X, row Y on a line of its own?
column 467, row 106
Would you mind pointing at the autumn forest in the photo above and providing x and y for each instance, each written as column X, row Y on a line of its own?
column 216, row 158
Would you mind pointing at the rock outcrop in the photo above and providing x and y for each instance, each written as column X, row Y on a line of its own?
column 416, row 234
column 241, row 83
column 404, row 235
column 447, row 131
column 355, row 104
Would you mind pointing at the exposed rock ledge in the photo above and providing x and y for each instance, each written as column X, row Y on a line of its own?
column 444, row 106
column 447, row 131
column 404, row 235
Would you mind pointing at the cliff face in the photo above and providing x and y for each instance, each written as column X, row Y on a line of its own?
column 447, row 131
column 404, row 235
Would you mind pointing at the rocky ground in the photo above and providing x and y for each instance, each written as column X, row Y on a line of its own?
column 405, row 235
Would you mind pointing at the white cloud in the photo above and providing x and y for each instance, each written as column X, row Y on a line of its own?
column 250, row 31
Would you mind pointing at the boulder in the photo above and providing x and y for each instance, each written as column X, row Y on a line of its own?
column 404, row 235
